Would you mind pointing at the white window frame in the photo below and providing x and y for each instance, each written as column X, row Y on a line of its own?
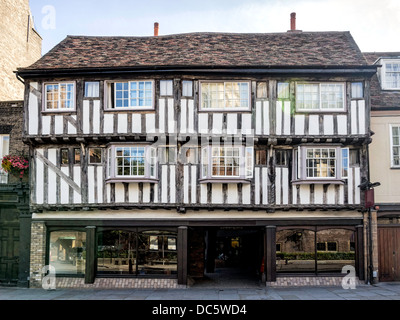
column 384, row 72
column 245, row 165
column 392, row 145
column 59, row 109
column 224, row 108
column 4, row 175
column 300, row 163
column 92, row 89
column 320, row 108
column 150, row 162
column 112, row 98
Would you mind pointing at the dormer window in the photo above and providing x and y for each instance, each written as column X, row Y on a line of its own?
column 390, row 74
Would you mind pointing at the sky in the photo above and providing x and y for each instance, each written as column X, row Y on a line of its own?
column 373, row 24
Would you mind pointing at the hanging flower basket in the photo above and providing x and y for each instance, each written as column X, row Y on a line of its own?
column 15, row 165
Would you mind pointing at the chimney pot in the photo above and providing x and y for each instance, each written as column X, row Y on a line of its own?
column 156, row 28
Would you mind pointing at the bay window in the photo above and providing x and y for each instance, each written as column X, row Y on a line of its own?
column 131, row 162
column 324, row 164
column 59, row 96
column 227, row 162
column 225, row 96
column 320, row 96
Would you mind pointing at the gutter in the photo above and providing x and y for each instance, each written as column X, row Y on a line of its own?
column 366, row 70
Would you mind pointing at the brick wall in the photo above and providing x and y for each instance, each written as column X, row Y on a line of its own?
column 11, row 123
column 20, row 46
column 38, row 253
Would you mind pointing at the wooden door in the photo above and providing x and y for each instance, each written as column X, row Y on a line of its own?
column 9, row 247
column 389, row 253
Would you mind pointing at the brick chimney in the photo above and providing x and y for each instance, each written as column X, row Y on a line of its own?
column 293, row 23
column 156, row 28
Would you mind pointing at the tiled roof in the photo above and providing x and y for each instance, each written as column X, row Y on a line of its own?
column 205, row 49
column 382, row 98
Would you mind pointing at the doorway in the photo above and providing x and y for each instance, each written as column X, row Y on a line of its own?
column 234, row 256
column 9, row 249
column 389, row 253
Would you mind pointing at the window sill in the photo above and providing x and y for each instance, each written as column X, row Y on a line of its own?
column 50, row 112
column 130, row 109
column 131, row 180
column 318, row 181
column 225, row 180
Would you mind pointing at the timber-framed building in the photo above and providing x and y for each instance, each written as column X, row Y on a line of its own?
column 161, row 159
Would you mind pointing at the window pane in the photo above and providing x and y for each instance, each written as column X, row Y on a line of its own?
column 64, row 156
column 94, row 155
column 77, row 156
column 262, row 90
column 187, row 88
column 283, row 90
column 357, row 90
column 67, row 252
column 332, row 96
column 225, row 95
column 91, row 89
column 116, row 252
column 339, row 250
column 166, row 87
column 297, row 251
column 157, row 252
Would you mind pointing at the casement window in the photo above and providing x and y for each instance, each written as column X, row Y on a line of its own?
column 320, row 164
column 357, row 90
column 59, row 96
column 262, row 90
column 4, row 151
column 283, row 90
column 132, row 162
column 92, row 89
column 95, row 156
column 320, row 97
column 187, row 88
column 134, row 95
column 225, row 96
column 227, row 162
column 390, row 74
column 166, row 88
column 395, row 145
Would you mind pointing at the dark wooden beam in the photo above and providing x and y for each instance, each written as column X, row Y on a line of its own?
column 182, row 254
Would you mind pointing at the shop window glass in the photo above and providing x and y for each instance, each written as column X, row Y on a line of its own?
column 157, row 253
column 339, row 250
column 116, row 252
column 67, row 253
column 297, row 251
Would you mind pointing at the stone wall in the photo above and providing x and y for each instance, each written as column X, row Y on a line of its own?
column 20, row 46
column 119, row 283
column 309, row 281
column 374, row 229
